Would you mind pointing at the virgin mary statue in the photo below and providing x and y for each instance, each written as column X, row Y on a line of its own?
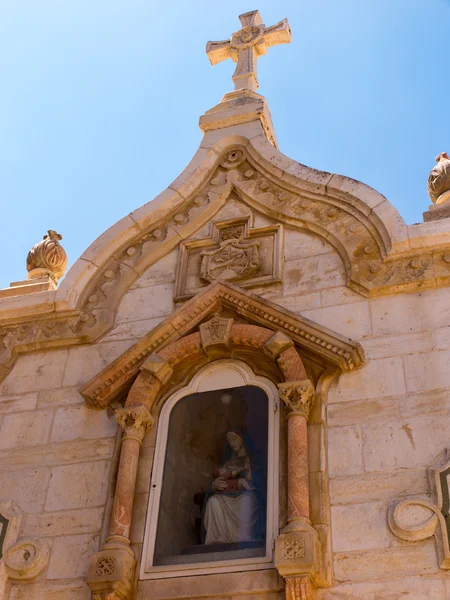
column 234, row 507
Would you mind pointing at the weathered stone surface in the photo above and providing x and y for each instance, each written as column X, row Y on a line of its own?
column 63, row 523
column 376, row 379
column 53, row 454
column 15, row 404
column 296, row 303
column 29, row 428
column 338, row 295
column 429, row 402
column 146, row 303
column 396, row 345
column 362, row 411
column 417, row 559
column 411, row 313
column 411, row 442
column 70, row 556
column 360, row 527
column 132, row 330
column 429, row 371
column 344, row 451
column 86, row 361
column 381, row 485
column 82, row 422
column 300, row 244
column 253, row 583
column 76, row 486
column 352, row 322
column 59, row 397
column 145, row 468
column 69, row 590
column 163, row 271
column 138, row 522
column 27, row 487
column 410, row 588
column 34, row 372
column 306, row 275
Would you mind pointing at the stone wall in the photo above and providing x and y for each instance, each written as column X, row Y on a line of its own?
column 386, row 423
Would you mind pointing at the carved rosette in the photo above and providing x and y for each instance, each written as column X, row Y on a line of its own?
column 439, row 180
column 298, row 396
column 47, row 255
column 135, row 422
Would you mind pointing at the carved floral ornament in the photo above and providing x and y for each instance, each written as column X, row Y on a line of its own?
column 355, row 231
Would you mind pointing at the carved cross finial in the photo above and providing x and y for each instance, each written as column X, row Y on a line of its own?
column 246, row 45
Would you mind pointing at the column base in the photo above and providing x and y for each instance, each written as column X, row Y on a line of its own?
column 111, row 574
column 298, row 552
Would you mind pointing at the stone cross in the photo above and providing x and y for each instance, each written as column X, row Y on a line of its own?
column 246, row 45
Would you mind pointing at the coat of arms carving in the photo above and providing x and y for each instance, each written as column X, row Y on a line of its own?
column 234, row 253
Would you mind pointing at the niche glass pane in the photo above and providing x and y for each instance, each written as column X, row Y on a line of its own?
column 214, row 486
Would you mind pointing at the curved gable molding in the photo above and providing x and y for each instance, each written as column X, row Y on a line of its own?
column 367, row 232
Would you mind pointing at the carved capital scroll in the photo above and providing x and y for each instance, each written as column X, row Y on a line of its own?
column 298, row 396
column 135, row 422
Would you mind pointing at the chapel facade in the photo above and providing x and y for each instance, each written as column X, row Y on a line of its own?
column 241, row 389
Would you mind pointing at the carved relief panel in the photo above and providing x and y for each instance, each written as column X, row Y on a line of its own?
column 235, row 253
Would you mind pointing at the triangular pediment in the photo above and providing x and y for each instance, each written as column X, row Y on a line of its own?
column 331, row 349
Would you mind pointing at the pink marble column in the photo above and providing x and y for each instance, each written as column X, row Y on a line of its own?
column 299, row 398
column 135, row 422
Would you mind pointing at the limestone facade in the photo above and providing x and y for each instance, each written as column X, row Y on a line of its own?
column 312, row 280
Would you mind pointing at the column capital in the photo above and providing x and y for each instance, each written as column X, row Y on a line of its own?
column 298, row 396
column 135, row 421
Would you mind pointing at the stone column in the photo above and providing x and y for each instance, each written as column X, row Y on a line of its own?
column 297, row 549
column 111, row 571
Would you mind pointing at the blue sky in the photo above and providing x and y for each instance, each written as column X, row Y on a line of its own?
column 100, row 101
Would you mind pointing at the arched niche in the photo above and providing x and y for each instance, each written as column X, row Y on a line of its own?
column 226, row 395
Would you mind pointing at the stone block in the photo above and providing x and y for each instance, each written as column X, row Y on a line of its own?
column 362, row 411
column 384, row 563
column 82, row 422
column 86, row 361
column 69, row 590
column 339, row 295
column 360, row 527
column 53, row 454
column 299, row 244
column 163, row 271
column 59, row 397
column 298, row 304
column 396, row 345
column 77, row 486
column 409, row 443
column 411, row 313
column 34, row 372
column 405, row 588
column 352, row 320
column 344, row 451
column 133, row 330
column 69, row 522
column 70, row 556
column 441, row 338
column 146, row 303
column 15, row 404
column 378, row 378
column 306, row 275
column 382, row 485
column 423, row 403
column 144, row 469
column 27, row 487
column 428, row 371
column 29, row 428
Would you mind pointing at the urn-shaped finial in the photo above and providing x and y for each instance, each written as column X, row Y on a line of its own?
column 47, row 257
column 439, row 180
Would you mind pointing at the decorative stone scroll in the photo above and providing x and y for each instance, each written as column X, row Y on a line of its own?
column 27, row 558
column 419, row 518
column 234, row 253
